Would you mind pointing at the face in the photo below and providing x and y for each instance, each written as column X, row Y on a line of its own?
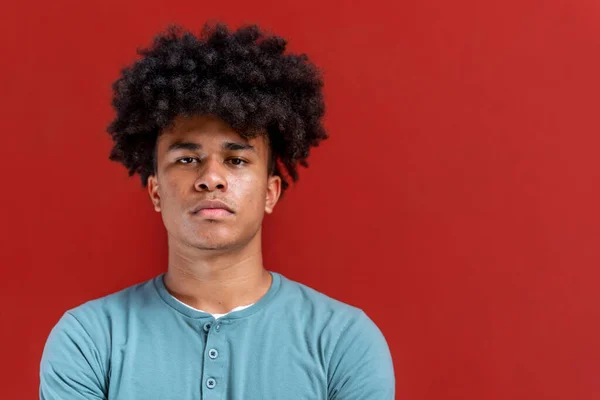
column 212, row 186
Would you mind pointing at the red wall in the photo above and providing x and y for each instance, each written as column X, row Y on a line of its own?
column 457, row 200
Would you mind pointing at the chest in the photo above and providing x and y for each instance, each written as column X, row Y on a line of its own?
column 213, row 360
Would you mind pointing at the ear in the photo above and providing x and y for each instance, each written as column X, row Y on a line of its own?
column 273, row 193
column 152, row 185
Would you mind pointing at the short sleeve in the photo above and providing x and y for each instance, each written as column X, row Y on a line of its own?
column 71, row 367
column 361, row 366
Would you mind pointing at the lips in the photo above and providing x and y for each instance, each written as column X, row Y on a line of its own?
column 212, row 206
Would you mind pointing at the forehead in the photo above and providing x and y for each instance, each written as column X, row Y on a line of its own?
column 203, row 128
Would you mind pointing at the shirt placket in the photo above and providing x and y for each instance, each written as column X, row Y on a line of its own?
column 215, row 361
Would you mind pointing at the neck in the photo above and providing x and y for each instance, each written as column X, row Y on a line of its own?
column 216, row 281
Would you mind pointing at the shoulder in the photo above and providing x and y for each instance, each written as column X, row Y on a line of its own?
column 339, row 319
column 116, row 302
column 94, row 318
column 299, row 296
column 76, row 354
column 359, row 362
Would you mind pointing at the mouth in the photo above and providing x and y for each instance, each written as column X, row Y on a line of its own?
column 212, row 209
column 213, row 212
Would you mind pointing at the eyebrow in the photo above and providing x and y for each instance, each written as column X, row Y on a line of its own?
column 231, row 146
column 183, row 146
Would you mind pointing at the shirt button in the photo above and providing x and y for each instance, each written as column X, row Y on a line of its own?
column 211, row 383
column 207, row 326
column 218, row 327
column 212, row 353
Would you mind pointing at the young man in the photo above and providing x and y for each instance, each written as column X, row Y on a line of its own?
column 215, row 125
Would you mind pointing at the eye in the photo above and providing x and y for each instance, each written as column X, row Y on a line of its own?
column 237, row 161
column 187, row 160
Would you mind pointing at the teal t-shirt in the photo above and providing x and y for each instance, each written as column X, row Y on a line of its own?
column 141, row 343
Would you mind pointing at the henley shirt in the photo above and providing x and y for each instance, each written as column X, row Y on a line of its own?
column 141, row 343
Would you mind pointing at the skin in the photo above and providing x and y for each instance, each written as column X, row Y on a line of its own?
column 215, row 262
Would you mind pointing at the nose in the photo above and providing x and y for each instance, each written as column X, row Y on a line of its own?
column 211, row 177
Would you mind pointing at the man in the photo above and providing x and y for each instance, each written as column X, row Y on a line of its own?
column 215, row 125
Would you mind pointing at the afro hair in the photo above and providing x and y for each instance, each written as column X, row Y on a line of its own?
column 243, row 77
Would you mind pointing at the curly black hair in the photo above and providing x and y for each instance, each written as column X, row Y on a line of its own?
column 244, row 77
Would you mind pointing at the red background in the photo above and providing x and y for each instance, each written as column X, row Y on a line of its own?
column 456, row 201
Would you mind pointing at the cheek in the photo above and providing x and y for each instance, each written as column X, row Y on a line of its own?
column 173, row 191
column 249, row 193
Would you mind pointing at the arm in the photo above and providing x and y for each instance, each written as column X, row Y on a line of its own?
column 71, row 366
column 361, row 365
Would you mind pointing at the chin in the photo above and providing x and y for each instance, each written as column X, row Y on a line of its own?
column 213, row 242
column 212, row 246
column 215, row 237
